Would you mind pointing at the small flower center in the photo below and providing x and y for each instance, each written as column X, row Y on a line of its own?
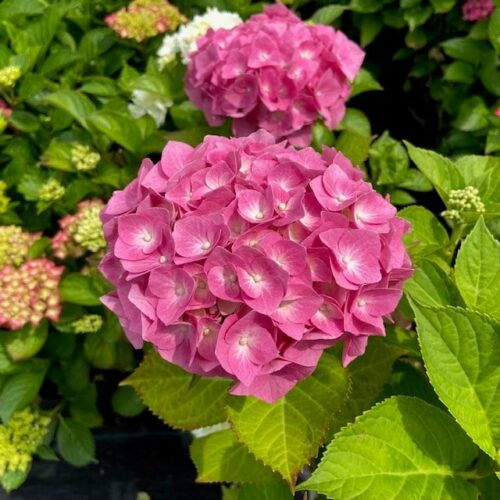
column 243, row 340
column 206, row 245
column 257, row 278
column 346, row 259
column 179, row 290
column 340, row 198
column 259, row 215
column 282, row 206
column 206, row 331
column 163, row 259
column 361, row 302
column 147, row 236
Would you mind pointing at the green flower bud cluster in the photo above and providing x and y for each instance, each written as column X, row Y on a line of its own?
column 87, row 227
column 83, row 158
column 90, row 323
column 19, row 439
column 463, row 200
column 52, row 190
column 4, row 200
column 15, row 245
column 9, row 75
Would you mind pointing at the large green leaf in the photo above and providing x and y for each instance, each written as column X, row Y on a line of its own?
column 169, row 392
column 441, row 171
column 78, row 105
column 20, row 389
column 286, row 435
column 427, row 233
column 79, row 289
column 461, row 350
column 275, row 490
column 75, row 443
column 218, row 457
column 401, row 448
column 431, row 286
column 477, row 270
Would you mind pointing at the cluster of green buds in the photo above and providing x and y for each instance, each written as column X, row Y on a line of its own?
column 80, row 232
column 144, row 19
column 15, row 245
column 83, row 158
column 461, row 201
column 4, row 200
column 9, row 75
column 51, row 191
column 20, row 437
column 90, row 323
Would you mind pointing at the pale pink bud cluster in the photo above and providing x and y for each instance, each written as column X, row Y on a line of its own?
column 29, row 293
column 477, row 10
column 5, row 110
column 245, row 258
column 144, row 19
column 273, row 72
column 80, row 232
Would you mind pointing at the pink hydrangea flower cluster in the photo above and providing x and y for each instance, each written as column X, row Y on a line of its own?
column 29, row 293
column 273, row 72
column 477, row 10
column 245, row 258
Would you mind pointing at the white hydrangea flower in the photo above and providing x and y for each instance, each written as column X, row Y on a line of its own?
column 149, row 103
column 184, row 41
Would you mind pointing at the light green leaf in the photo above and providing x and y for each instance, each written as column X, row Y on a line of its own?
column 355, row 121
column 427, row 234
column 169, row 392
column 364, row 82
column 493, row 140
column 401, row 448
column 286, row 435
column 328, row 14
column 441, row 171
column 75, row 443
column 465, row 49
column 13, row 479
column 461, row 350
column 369, row 29
column 388, row 160
column 431, row 286
column 473, row 114
column 459, row 71
column 218, row 457
column 477, row 270
column 78, row 105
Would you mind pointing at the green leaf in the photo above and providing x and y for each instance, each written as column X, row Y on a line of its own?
column 286, row 435
column 78, row 105
column 26, row 342
column 355, row 121
column 401, row 448
column 79, row 289
column 58, row 156
column 369, row 29
column 367, row 376
column 126, row 402
column 354, row 146
column 13, row 479
column 442, row 6
column 472, row 115
column 20, row 389
column 24, row 121
column 494, row 29
column 388, row 160
column 168, row 391
column 75, row 443
column 461, row 351
column 118, row 127
column 431, row 286
column 427, row 233
column 364, row 82
column 328, row 14
column 459, row 71
column 477, row 270
column 441, row 171
column 493, row 141
column 218, row 457
column 465, row 49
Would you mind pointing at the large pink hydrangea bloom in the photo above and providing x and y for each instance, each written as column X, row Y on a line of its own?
column 273, row 72
column 245, row 258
